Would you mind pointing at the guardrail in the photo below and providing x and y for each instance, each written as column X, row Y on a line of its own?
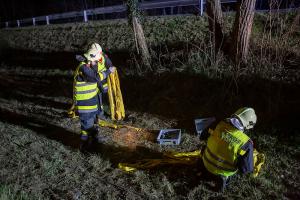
column 84, row 15
column 110, row 9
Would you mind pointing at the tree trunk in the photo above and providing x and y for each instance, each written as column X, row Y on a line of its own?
column 140, row 39
column 242, row 30
column 215, row 19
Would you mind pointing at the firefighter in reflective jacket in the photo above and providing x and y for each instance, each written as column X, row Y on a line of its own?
column 89, row 82
column 103, row 63
column 228, row 148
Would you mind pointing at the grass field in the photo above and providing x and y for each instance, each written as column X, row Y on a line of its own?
column 39, row 155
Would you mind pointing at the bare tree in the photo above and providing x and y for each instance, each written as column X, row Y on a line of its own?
column 140, row 40
column 242, row 30
column 240, row 35
column 215, row 20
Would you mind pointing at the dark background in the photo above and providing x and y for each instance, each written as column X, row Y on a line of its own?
column 20, row 9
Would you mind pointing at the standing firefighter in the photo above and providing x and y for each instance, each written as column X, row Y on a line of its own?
column 228, row 148
column 89, row 83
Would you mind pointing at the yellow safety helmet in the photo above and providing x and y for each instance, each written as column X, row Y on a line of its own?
column 246, row 116
column 94, row 52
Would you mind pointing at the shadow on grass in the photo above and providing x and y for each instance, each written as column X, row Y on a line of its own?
column 115, row 154
column 185, row 97
column 42, row 128
column 11, row 95
column 110, row 152
column 181, row 96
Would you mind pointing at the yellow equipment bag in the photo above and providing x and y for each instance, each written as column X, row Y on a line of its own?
column 115, row 97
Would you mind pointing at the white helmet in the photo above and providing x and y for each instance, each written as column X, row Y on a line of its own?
column 246, row 116
column 94, row 52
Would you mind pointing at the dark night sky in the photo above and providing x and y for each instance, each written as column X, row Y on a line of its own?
column 20, row 9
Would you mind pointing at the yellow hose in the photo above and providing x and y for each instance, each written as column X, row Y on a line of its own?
column 115, row 97
column 110, row 97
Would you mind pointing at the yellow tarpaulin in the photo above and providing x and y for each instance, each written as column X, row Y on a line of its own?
column 187, row 158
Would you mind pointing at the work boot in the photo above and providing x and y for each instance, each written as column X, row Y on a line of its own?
column 224, row 182
column 84, row 146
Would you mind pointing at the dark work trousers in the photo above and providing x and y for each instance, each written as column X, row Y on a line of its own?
column 100, row 105
column 88, row 130
column 221, row 181
column 104, row 110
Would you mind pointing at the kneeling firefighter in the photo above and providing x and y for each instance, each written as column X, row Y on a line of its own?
column 89, row 83
column 229, row 149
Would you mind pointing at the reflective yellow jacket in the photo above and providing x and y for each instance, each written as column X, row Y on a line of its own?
column 223, row 148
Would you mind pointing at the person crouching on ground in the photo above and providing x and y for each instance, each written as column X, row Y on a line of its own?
column 229, row 149
column 89, row 82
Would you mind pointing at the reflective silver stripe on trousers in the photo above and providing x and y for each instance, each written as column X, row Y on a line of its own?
column 86, row 92
column 219, row 159
column 87, row 111
column 84, row 84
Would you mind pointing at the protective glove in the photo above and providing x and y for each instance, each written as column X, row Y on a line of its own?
column 112, row 69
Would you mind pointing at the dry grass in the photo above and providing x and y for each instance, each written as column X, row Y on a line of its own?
column 76, row 37
column 39, row 157
column 40, row 160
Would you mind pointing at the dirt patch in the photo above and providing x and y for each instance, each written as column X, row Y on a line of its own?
column 131, row 137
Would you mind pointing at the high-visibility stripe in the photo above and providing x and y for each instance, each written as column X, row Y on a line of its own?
column 83, row 132
column 101, row 75
column 217, row 166
column 86, row 91
column 241, row 152
column 83, row 83
column 101, row 65
column 87, row 109
column 219, row 159
column 85, row 87
column 80, row 97
column 84, row 135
